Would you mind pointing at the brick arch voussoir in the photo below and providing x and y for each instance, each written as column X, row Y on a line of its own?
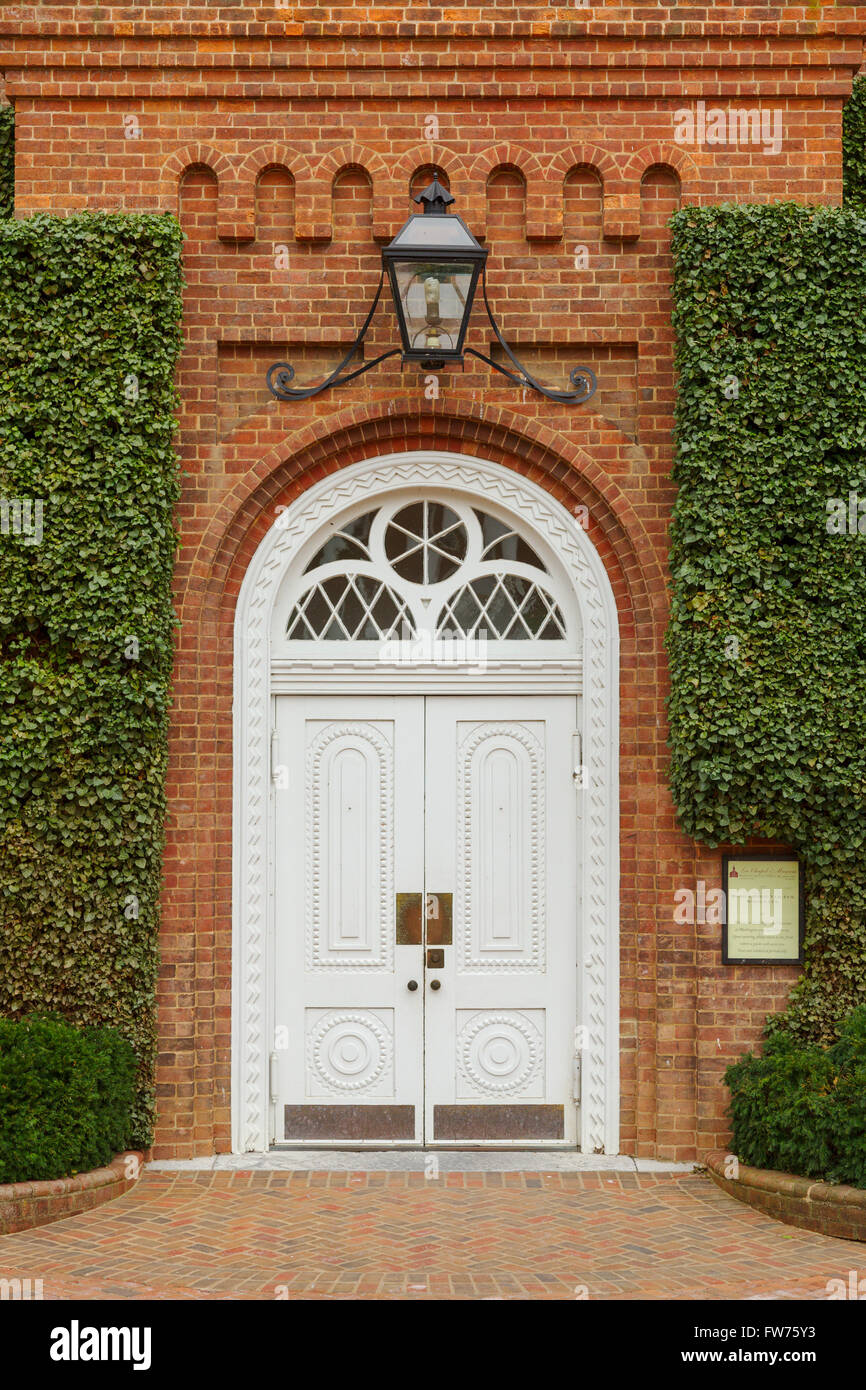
column 562, row 467
column 506, row 154
column 274, row 156
column 590, row 157
column 672, row 157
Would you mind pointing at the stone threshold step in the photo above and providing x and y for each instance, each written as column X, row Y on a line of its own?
column 418, row 1161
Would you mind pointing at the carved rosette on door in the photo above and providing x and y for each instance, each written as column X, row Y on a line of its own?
column 500, row 1054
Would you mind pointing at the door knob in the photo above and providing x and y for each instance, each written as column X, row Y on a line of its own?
column 435, row 984
column 413, row 984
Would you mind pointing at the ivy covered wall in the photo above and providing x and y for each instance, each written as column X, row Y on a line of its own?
column 89, row 336
column 854, row 146
column 767, row 638
column 7, row 161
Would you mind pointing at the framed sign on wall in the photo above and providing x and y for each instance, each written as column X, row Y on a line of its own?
column 764, row 909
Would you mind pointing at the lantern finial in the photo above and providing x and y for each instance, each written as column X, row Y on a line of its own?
column 434, row 197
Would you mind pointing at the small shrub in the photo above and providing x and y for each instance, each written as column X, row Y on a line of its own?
column 65, row 1098
column 801, row 1108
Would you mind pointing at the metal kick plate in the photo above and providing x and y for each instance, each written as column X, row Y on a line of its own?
column 527, row 1122
column 349, row 1121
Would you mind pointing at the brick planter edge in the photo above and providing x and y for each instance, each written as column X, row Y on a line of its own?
column 833, row 1210
column 27, row 1204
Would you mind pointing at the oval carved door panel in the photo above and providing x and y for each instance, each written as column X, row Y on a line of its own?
column 500, row 848
column 350, row 846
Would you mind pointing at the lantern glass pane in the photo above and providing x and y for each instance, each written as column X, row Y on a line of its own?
column 426, row 229
column 434, row 296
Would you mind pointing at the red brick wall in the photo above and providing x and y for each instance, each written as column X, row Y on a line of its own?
column 556, row 130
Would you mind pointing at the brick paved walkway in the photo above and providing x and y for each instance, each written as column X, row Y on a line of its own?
column 399, row 1235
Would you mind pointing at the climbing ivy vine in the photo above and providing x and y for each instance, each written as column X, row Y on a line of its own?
column 767, row 636
column 89, row 335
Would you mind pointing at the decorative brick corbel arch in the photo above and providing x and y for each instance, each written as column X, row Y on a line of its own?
column 540, row 202
column 318, row 212
column 610, row 177
column 465, row 188
column 672, row 157
column 271, row 156
column 223, row 169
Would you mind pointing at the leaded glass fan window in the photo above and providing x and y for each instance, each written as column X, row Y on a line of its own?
column 436, row 566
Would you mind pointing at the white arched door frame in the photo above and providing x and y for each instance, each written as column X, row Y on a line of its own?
column 598, row 850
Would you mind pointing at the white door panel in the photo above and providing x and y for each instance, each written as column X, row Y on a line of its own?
column 500, row 836
column 349, row 837
column 429, row 840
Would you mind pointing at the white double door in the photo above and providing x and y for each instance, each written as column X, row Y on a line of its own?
column 426, row 907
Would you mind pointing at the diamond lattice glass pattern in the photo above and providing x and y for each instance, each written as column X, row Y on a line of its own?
column 349, row 608
column 505, row 606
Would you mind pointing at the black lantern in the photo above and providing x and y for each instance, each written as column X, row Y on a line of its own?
column 433, row 267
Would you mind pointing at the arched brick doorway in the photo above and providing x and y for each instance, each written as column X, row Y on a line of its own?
column 593, row 1032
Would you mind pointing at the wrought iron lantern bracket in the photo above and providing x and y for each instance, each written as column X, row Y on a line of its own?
column 281, row 373
column 583, row 379
column 462, row 252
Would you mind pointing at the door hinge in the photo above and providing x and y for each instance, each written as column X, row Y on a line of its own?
column 273, row 1077
column 576, row 1078
column 578, row 771
column 275, row 755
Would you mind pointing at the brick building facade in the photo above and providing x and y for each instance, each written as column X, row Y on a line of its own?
column 286, row 140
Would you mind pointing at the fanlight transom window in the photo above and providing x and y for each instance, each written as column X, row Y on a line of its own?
column 439, row 567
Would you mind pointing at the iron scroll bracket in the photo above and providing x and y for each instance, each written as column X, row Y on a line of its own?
column 582, row 378
column 280, row 374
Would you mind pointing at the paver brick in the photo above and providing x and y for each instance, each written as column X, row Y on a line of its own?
column 268, row 1235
